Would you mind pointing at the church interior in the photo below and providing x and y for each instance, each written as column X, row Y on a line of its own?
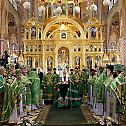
column 62, row 62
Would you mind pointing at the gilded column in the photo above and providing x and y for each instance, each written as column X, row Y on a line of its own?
column 122, row 3
column 56, row 59
column 37, row 33
column 44, row 15
column 47, row 10
column 93, row 62
column 101, row 36
column 73, row 9
column 89, row 34
column 25, row 33
column 122, row 39
column 40, row 62
column 29, row 33
column 52, row 9
column 25, row 60
column 54, row 65
column 83, row 58
column 33, row 62
column 24, row 46
column 97, row 33
column 71, row 59
column 44, row 57
column 67, row 8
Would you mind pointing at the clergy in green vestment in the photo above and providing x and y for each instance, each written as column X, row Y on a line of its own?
column 48, row 87
column 17, row 90
column 99, row 87
column 77, row 80
column 56, row 79
column 6, row 94
column 35, row 88
column 27, row 83
column 91, row 85
column 118, row 85
column 100, row 92
column 84, row 78
column 10, row 73
column 67, row 95
column 108, row 93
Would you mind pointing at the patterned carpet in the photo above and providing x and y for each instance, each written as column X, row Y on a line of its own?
column 77, row 116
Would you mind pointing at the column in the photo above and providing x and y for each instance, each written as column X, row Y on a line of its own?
column 101, row 36
column 73, row 9
column 52, row 10
column 25, row 61
column 122, row 40
column 25, row 47
column 89, row 34
column 56, row 59
column 25, row 33
column 71, row 59
column 83, row 59
column 47, row 11
column 40, row 62
column 97, row 33
column 67, row 8
column 44, row 15
column 54, row 65
column 93, row 62
column 44, row 57
column 29, row 33
column 99, row 10
column 33, row 62
column 37, row 33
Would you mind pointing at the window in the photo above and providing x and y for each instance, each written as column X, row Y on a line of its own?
column 75, row 48
column 26, row 33
column 26, row 48
column 39, row 48
column 30, row 48
column 63, row 35
column 93, row 32
column 33, row 33
column 47, row 48
column 39, row 33
column 35, row 48
column 79, row 49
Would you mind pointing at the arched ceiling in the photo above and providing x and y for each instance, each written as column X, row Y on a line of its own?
column 68, row 23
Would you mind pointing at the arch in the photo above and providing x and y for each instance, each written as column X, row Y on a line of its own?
column 62, row 45
column 93, row 21
column 12, row 10
column 89, row 62
column 11, row 19
column 63, row 19
column 98, row 60
column 115, row 18
column 57, row 30
column 13, row 46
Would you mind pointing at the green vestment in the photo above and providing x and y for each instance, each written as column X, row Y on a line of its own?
column 48, row 87
column 35, row 87
column 99, row 87
column 27, row 89
column 56, row 80
column 6, row 105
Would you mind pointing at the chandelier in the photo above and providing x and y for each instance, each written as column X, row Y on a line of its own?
column 106, row 2
column 27, row 5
